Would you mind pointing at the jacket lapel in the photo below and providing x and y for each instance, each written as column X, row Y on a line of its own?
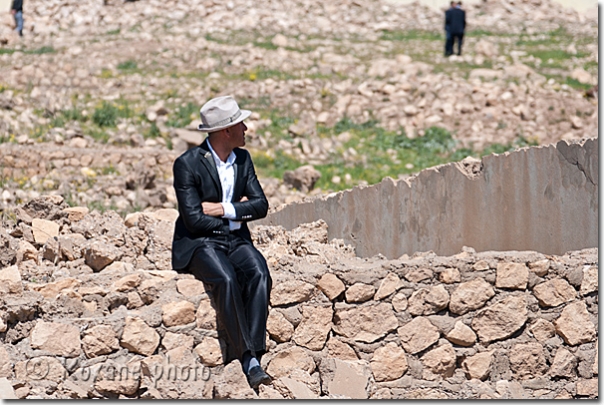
column 208, row 161
column 239, row 180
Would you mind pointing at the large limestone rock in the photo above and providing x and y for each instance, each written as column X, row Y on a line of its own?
column 100, row 340
column 347, row 378
column 500, row 320
column 590, row 280
column 428, row 301
column 574, row 324
column 232, row 383
column 554, row 292
column 512, row 275
column 303, row 178
column 359, row 292
column 542, row 330
column 527, row 360
column 10, row 280
column 40, row 368
column 278, row 327
column 190, row 287
column 389, row 285
column 44, row 230
column 178, row 313
column 206, row 315
column 51, row 290
column 470, row 295
column 57, row 338
column 288, row 360
column 364, row 323
column 209, row 352
column 478, row 366
column 6, row 389
column 314, row 327
column 439, row 362
column 340, row 350
column 6, row 365
column 461, row 335
column 417, row 335
column 331, row 285
column 389, row 362
column 118, row 379
column 138, row 337
column 100, row 254
column 564, row 364
column 291, row 292
column 128, row 282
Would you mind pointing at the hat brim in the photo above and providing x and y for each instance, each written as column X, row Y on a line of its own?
column 244, row 114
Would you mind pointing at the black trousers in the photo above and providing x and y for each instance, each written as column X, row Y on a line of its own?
column 450, row 41
column 237, row 277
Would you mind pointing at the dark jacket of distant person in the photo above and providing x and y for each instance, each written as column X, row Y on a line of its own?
column 17, row 5
column 455, row 21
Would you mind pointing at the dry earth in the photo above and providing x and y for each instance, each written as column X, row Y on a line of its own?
column 89, row 309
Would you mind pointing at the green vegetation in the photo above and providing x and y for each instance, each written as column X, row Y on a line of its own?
column 183, row 115
column 129, row 65
column 408, row 35
column 37, row 51
column 106, row 114
column 377, row 152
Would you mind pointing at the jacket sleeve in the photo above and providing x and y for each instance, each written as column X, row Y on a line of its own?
column 189, row 203
column 257, row 205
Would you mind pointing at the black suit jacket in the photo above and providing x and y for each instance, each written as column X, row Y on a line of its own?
column 455, row 21
column 195, row 181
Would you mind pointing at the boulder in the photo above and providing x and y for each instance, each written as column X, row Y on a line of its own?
column 303, row 178
column 57, row 338
column 100, row 340
column 461, row 335
column 290, row 359
column 138, row 337
column 291, row 292
column 100, row 254
column 501, row 320
column 364, row 323
column 512, row 275
column 43, row 230
column 388, row 286
column 209, row 351
column 331, row 285
column 10, row 280
column 427, row 301
column 527, row 360
column 347, row 378
column 470, row 296
column 478, row 366
column 314, row 327
column 359, row 292
column 389, row 362
column 439, row 361
column 178, row 313
column 418, row 335
column 278, row 327
column 554, row 292
column 575, row 325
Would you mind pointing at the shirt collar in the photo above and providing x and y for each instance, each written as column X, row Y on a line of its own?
column 230, row 159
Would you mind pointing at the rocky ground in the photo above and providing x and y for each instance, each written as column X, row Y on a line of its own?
column 354, row 88
column 89, row 309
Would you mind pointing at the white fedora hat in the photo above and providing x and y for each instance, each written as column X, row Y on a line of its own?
column 220, row 113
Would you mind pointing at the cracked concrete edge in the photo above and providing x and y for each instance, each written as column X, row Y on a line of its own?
column 542, row 198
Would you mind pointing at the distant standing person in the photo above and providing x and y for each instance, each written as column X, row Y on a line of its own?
column 455, row 25
column 17, row 12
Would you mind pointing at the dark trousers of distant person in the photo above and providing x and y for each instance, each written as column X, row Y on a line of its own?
column 19, row 22
column 451, row 40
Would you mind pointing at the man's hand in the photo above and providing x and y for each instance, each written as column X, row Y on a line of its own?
column 212, row 209
column 243, row 199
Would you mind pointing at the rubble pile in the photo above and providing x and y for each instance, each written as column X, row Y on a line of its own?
column 90, row 308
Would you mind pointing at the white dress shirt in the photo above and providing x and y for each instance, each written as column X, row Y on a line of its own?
column 226, row 173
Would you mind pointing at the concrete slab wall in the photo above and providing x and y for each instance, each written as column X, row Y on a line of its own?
column 542, row 198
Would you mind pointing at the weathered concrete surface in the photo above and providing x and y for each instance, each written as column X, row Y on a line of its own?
column 541, row 198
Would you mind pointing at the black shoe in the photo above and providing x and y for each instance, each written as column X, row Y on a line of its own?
column 257, row 376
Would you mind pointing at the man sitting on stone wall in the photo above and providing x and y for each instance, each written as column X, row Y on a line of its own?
column 218, row 192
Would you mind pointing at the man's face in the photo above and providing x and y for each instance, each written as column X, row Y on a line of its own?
column 237, row 135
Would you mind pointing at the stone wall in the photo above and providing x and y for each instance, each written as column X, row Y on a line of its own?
column 541, row 198
column 90, row 308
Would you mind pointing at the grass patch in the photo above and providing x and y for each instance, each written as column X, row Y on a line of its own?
column 183, row 115
column 129, row 65
column 106, row 114
column 408, row 35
